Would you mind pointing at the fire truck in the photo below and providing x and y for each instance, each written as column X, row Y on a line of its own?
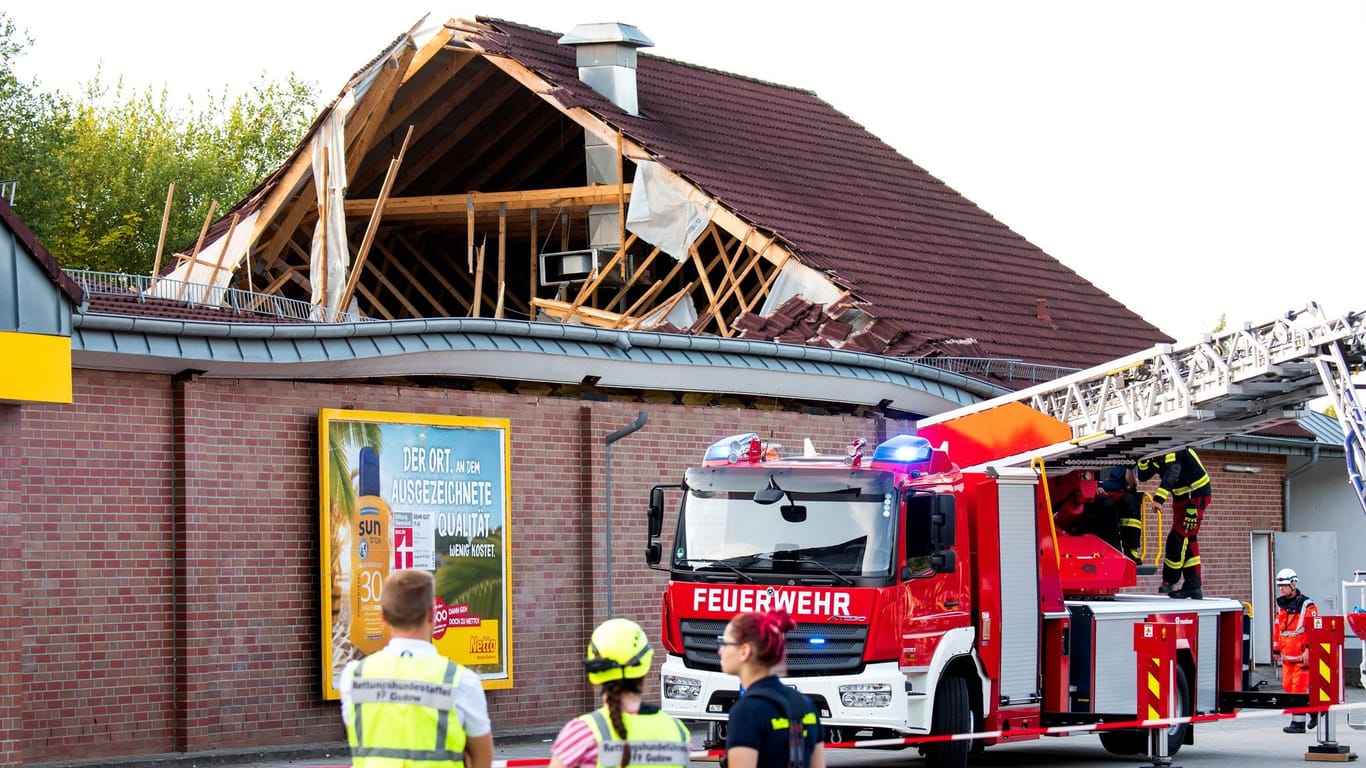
column 933, row 589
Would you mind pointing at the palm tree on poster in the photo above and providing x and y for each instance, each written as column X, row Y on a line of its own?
column 344, row 439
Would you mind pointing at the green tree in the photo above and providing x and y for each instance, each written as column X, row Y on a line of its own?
column 31, row 121
column 94, row 168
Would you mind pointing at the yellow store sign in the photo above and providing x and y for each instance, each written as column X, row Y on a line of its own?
column 36, row 368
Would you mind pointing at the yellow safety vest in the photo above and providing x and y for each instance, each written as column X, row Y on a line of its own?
column 403, row 713
column 657, row 739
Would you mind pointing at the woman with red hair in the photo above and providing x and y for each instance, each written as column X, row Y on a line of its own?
column 761, row 732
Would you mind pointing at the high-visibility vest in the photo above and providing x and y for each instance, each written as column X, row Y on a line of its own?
column 403, row 713
column 657, row 740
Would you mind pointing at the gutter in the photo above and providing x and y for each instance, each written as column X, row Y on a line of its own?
column 614, row 344
column 1285, row 486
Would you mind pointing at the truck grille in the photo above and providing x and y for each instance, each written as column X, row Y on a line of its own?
column 840, row 653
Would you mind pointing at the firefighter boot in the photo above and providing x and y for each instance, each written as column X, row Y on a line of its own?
column 1313, row 719
column 1165, row 589
column 1190, row 584
column 1296, row 725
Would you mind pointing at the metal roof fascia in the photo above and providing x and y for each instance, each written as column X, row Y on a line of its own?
column 353, row 342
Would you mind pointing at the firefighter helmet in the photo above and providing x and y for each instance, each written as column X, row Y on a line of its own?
column 1286, row 577
column 618, row 650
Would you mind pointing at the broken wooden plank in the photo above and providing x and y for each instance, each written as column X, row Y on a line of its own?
column 591, row 285
column 165, row 219
column 194, row 254
column 369, row 237
column 564, row 311
column 630, row 281
column 706, row 286
column 502, row 258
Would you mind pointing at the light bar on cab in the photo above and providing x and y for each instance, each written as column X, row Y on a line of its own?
column 730, row 449
column 902, row 450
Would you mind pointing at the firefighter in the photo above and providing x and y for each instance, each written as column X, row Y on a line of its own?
column 771, row 726
column 1183, row 479
column 1294, row 612
column 447, row 724
column 1121, row 488
column 625, row 731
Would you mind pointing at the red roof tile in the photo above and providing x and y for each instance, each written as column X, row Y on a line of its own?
column 914, row 250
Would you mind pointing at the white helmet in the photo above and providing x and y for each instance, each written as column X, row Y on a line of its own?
column 1286, row 577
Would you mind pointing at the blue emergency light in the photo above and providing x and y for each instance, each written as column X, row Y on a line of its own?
column 903, row 449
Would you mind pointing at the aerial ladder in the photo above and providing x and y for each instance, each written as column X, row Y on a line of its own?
column 1174, row 395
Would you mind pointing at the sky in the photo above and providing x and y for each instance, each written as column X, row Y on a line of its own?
column 1192, row 159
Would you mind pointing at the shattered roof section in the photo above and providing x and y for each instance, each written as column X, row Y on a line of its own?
column 915, row 252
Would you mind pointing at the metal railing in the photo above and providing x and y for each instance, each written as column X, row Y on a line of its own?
column 7, row 188
column 143, row 288
column 1011, row 370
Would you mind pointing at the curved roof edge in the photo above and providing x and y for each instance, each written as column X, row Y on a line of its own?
column 518, row 350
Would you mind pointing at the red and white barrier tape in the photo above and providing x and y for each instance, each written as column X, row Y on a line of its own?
column 1057, row 730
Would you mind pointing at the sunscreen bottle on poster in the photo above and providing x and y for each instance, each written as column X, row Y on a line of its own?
column 371, row 530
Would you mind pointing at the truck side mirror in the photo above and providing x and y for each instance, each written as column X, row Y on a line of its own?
column 944, row 561
column 942, row 533
column 656, row 514
column 653, row 552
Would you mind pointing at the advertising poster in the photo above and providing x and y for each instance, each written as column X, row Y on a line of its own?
column 403, row 490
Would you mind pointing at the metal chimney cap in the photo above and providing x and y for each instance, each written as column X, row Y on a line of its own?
column 606, row 32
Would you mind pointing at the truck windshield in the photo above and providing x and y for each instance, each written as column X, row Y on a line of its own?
column 830, row 521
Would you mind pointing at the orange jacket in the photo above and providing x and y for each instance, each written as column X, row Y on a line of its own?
column 1292, row 627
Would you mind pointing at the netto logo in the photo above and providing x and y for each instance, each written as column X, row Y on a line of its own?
column 482, row 645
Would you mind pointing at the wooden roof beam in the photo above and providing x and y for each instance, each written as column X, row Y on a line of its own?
column 412, row 280
column 519, row 200
column 433, row 271
column 631, row 150
column 469, row 122
column 486, row 158
column 426, row 123
column 376, row 101
column 564, row 311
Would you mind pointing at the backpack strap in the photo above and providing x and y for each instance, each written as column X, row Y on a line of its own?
column 787, row 704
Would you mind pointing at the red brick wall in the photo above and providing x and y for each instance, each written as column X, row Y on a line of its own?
column 98, row 633
column 1240, row 503
column 135, row 650
column 12, row 619
column 170, row 548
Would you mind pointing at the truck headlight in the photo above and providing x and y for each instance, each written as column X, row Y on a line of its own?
column 866, row 695
column 682, row 688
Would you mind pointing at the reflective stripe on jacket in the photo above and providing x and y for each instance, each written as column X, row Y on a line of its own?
column 404, row 713
column 656, row 739
column 1291, row 621
column 1181, row 472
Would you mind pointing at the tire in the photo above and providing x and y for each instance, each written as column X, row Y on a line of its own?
column 1135, row 741
column 952, row 714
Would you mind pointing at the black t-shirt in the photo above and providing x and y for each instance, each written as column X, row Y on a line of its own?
column 751, row 725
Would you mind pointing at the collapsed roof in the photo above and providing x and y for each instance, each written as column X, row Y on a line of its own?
column 489, row 169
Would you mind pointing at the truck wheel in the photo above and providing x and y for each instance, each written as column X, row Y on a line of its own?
column 952, row 714
column 1135, row 742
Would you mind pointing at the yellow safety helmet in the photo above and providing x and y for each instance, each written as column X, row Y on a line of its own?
column 618, row 650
